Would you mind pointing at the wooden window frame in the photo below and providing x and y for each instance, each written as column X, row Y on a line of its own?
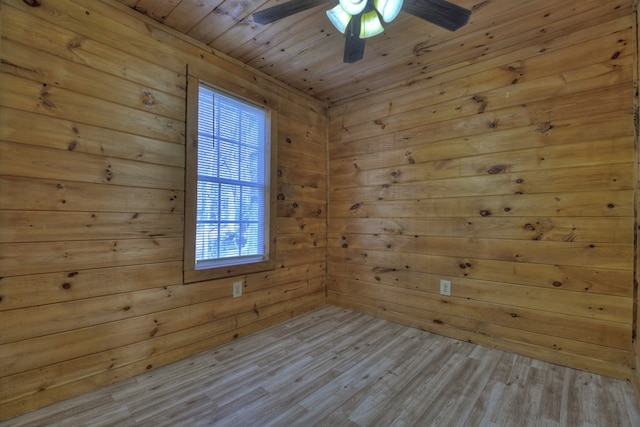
column 191, row 274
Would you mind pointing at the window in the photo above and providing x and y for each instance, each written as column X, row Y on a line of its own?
column 229, row 173
column 231, row 190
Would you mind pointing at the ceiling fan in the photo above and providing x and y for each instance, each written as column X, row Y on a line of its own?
column 360, row 19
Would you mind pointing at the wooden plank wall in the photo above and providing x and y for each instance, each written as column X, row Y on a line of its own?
column 91, row 203
column 636, row 296
column 512, row 175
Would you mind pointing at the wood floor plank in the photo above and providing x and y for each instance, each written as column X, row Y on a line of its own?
column 334, row 367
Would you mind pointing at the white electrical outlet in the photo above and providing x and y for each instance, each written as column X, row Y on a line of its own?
column 237, row 289
column 445, row 287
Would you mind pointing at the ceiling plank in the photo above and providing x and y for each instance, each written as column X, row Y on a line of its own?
column 305, row 51
column 156, row 9
column 468, row 44
column 188, row 13
column 226, row 15
column 279, row 37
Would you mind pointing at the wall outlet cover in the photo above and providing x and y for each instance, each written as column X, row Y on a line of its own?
column 237, row 289
column 445, row 287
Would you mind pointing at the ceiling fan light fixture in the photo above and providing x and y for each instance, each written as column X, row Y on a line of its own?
column 353, row 7
column 370, row 25
column 360, row 19
column 339, row 18
column 388, row 9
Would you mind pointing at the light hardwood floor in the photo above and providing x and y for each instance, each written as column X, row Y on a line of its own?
column 334, row 367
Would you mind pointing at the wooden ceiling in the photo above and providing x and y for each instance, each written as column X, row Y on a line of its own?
column 305, row 50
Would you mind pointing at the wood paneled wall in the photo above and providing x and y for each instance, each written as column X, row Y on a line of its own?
column 92, row 199
column 513, row 176
column 636, row 296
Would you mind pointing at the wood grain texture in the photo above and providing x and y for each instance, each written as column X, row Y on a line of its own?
column 636, row 344
column 333, row 367
column 92, row 157
column 306, row 51
column 485, row 175
column 502, row 157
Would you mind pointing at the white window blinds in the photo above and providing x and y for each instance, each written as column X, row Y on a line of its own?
column 232, row 188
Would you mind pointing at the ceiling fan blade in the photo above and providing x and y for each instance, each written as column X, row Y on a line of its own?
column 353, row 44
column 440, row 12
column 283, row 10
